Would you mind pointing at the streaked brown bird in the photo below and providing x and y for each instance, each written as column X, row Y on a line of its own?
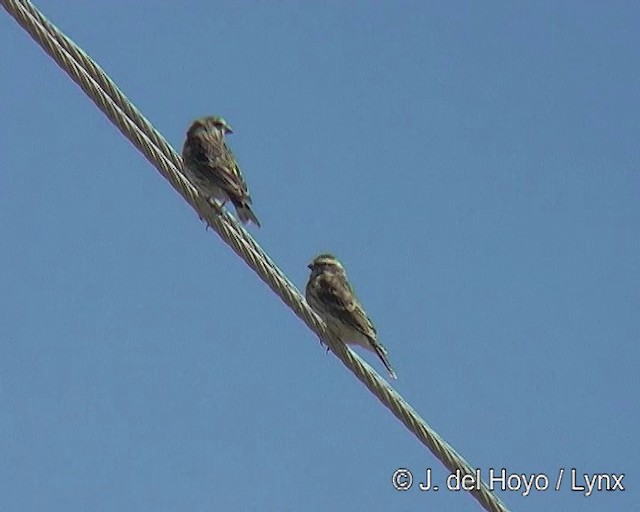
column 211, row 166
column 329, row 294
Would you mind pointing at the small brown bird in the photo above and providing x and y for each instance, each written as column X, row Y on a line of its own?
column 211, row 166
column 329, row 294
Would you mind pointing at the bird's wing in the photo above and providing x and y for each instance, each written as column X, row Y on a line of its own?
column 237, row 173
column 214, row 157
column 336, row 293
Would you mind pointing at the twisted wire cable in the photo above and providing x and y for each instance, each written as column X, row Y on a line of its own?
column 133, row 125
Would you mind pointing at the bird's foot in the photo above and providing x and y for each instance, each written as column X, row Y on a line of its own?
column 216, row 206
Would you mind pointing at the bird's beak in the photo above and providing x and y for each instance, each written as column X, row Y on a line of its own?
column 310, row 266
column 229, row 130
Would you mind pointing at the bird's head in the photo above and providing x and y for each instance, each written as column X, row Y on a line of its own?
column 211, row 124
column 326, row 263
column 218, row 123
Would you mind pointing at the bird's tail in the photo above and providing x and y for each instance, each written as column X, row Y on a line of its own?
column 382, row 354
column 245, row 214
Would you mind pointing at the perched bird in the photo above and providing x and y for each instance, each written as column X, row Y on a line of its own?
column 329, row 294
column 211, row 166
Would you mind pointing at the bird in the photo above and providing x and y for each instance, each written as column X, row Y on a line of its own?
column 212, row 168
column 330, row 295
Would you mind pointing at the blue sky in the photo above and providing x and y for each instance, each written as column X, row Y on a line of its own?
column 476, row 169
